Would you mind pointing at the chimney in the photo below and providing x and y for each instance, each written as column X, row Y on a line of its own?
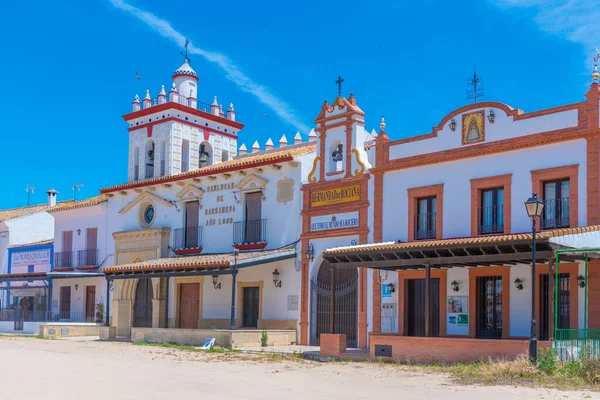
column 51, row 197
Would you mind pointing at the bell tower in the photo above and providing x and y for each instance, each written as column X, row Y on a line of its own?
column 176, row 133
column 341, row 140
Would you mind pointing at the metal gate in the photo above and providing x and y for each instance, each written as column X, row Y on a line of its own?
column 345, row 318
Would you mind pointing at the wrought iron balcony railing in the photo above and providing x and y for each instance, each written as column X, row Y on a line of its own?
column 425, row 226
column 490, row 220
column 556, row 213
column 64, row 259
column 188, row 238
column 254, row 231
column 87, row 258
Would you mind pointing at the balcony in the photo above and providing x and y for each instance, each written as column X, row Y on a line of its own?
column 187, row 240
column 87, row 258
column 250, row 235
column 490, row 220
column 556, row 213
column 82, row 259
column 425, row 226
column 64, row 260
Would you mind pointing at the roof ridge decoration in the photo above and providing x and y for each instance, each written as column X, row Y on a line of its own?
column 143, row 196
column 252, row 182
column 341, row 103
column 90, row 202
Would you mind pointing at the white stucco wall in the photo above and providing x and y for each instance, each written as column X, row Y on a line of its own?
column 457, row 186
column 78, row 295
column 30, row 228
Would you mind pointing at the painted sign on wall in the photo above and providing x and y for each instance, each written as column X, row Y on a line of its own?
column 334, row 221
column 335, row 196
column 32, row 257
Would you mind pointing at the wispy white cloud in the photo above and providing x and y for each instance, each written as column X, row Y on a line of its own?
column 574, row 20
column 232, row 71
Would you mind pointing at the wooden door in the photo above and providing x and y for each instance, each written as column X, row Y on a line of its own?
column 91, row 249
column 251, row 305
column 415, row 296
column 67, row 248
column 65, row 302
column 253, row 217
column 189, row 305
column 564, row 301
column 191, row 224
column 142, row 309
column 90, row 303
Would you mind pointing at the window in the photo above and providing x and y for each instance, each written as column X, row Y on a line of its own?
column 136, row 164
column 556, row 204
column 425, row 220
column 205, row 155
column 149, row 159
column 163, row 152
column 225, row 156
column 489, row 307
column 491, row 212
column 185, row 155
column 30, row 269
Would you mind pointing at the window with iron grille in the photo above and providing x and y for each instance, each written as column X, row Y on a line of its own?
column 425, row 224
column 556, row 211
column 491, row 212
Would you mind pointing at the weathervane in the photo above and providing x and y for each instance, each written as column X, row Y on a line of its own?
column 339, row 83
column 185, row 56
column 596, row 74
column 475, row 90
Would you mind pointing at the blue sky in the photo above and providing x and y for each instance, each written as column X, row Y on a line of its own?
column 68, row 70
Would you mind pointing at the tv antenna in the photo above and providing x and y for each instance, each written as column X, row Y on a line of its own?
column 475, row 89
column 76, row 188
column 29, row 189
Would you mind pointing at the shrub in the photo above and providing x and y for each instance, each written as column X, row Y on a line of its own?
column 547, row 361
column 264, row 339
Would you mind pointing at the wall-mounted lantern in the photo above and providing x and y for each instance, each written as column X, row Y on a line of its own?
column 453, row 124
column 455, row 287
column 491, row 116
column 78, row 232
column 310, row 253
column 519, row 284
column 276, row 280
column 216, row 282
column 391, row 288
column 76, row 286
column 581, row 281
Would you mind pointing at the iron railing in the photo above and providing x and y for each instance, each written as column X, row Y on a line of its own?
column 556, row 213
column 425, row 226
column 490, row 220
column 575, row 344
column 87, row 258
column 203, row 106
column 254, row 231
column 188, row 238
column 64, row 259
column 149, row 171
column 20, row 314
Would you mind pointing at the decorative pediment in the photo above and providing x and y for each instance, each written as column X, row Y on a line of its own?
column 142, row 197
column 252, row 182
column 190, row 192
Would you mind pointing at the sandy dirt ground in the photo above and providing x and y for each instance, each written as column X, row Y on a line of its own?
column 65, row 369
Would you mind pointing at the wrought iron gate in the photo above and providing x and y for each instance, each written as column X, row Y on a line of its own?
column 345, row 318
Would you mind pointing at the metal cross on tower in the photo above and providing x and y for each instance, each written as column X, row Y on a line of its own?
column 339, row 83
column 185, row 55
column 476, row 90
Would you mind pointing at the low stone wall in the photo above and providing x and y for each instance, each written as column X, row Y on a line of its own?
column 332, row 345
column 66, row 330
column 29, row 328
column 450, row 350
column 224, row 338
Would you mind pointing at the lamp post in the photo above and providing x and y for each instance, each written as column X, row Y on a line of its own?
column 534, row 207
column 234, row 271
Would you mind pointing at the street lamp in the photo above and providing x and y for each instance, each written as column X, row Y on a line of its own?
column 234, row 271
column 534, row 207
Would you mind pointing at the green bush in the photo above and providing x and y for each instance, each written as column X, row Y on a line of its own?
column 547, row 361
column 264, row 339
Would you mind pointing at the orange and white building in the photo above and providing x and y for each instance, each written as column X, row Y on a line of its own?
column 427, row 240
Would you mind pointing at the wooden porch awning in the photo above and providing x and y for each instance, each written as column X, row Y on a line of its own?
column 25, row 276
column 461, row 252
column 206, row 264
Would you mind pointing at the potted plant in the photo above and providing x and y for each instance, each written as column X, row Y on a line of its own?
column 99, row 312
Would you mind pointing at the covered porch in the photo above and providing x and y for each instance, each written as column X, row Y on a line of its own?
column 232, row 297
column 468, row 299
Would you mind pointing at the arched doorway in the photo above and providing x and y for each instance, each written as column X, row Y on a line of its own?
column 142, row 308
column 345, row 319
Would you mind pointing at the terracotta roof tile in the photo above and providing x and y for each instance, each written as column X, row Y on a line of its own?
column 12, row 213
column 270, row 156
column 92, row 201
column 47, row 241
column 205, row 260
column 463, row 241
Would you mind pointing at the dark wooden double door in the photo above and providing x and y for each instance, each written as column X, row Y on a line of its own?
column 189, row 305
column 546, row 304
column 415, row 310
column 251, row 304
column 142, row 308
